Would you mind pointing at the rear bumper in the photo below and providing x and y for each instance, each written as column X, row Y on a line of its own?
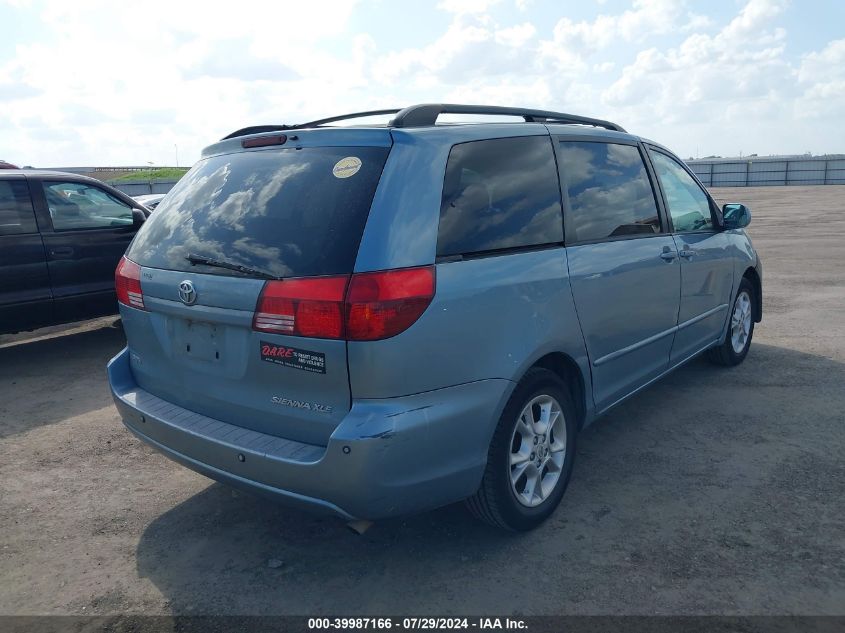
column 388, row 457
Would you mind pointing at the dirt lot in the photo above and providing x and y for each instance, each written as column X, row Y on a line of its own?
column 716, row 491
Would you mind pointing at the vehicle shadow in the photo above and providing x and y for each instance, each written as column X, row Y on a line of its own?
column 52, row 378
column 692, row 497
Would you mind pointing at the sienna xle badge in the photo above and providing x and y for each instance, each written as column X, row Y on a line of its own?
column 373, row 321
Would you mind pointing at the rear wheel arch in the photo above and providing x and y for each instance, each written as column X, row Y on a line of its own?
column 751, row 275
column 569, row 372
column 498, row 498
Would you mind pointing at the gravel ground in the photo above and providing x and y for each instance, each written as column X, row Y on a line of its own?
column 714, row 492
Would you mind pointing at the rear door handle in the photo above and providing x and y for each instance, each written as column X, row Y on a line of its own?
column 62, row 251
column 686, row 253
column 668, row 256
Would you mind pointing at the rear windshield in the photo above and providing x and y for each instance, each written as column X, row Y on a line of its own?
column 289, row 213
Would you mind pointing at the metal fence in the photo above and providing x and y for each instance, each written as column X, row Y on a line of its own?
column 143, row 187
column 757, row 172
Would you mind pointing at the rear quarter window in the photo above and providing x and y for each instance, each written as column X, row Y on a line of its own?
column 500, row 194
column 289, row 213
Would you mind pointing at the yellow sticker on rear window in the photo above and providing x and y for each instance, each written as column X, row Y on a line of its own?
column 346, row 167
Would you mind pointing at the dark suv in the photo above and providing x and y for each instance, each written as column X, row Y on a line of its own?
column 61, row 236
column 378, row 320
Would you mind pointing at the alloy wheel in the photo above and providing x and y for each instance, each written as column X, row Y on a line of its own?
column 741, row 322
column 538, row 450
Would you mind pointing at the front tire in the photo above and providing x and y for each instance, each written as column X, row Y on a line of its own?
column 530, row 459
column 734, row 348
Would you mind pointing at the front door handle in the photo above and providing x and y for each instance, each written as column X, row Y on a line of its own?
column 62, row 251
column 686, row 253
column 668, row 255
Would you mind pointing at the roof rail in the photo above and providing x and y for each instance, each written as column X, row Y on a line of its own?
column 427, row 113
column 258, row 129
column 343, row 117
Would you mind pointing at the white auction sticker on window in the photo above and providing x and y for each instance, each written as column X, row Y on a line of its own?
column 346, row 167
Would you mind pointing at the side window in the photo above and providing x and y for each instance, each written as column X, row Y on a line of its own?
column 16, row 214
column 500, row 193
column 688, row 205
column 78, row 205
column 609, row 192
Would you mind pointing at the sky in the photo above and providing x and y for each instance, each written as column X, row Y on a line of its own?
column 110, row 83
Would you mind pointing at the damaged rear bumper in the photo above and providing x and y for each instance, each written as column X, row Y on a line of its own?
column 388, row 457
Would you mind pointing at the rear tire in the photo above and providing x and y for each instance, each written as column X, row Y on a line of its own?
column 530, row 459
column 734, row 348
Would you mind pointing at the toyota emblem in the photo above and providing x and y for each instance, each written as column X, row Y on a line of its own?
column 187, row 293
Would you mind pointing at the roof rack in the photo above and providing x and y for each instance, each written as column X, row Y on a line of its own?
column 425, row 114
column 256, row 129
column 343, row 117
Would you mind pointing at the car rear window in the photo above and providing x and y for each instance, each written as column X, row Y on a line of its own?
column 289, row 213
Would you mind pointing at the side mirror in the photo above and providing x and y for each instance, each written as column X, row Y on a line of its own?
column 736, row 216
column 138, row 218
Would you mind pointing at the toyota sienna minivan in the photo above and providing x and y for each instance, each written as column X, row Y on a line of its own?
column 378, row 320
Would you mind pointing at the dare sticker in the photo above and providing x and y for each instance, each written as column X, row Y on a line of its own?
column 294, row 358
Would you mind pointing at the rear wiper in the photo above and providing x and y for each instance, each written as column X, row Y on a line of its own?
column 207, row 261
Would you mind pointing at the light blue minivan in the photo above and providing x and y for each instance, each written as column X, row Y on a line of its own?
column 378, row 320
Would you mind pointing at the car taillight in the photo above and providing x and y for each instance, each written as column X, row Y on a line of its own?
column 302, row 307
column 127, row 284
column 383, row 304
column 365, row 307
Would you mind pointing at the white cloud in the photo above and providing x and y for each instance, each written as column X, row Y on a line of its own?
column 752, row 15
column 466, row 6
column 472, row 47
column 106, row 83
column 824, row 65
column 646, row 18
column 515, row 36
column 697, row 22
column 169, row 75
column 822, row 77
column 233, row 58
column 742, row 62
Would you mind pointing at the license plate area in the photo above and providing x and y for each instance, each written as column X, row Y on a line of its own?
column 198, row 340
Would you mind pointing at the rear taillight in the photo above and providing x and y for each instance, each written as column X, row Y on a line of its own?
column 383, row 304
column 302, row 307
column 365, row 307
column 127, row 284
